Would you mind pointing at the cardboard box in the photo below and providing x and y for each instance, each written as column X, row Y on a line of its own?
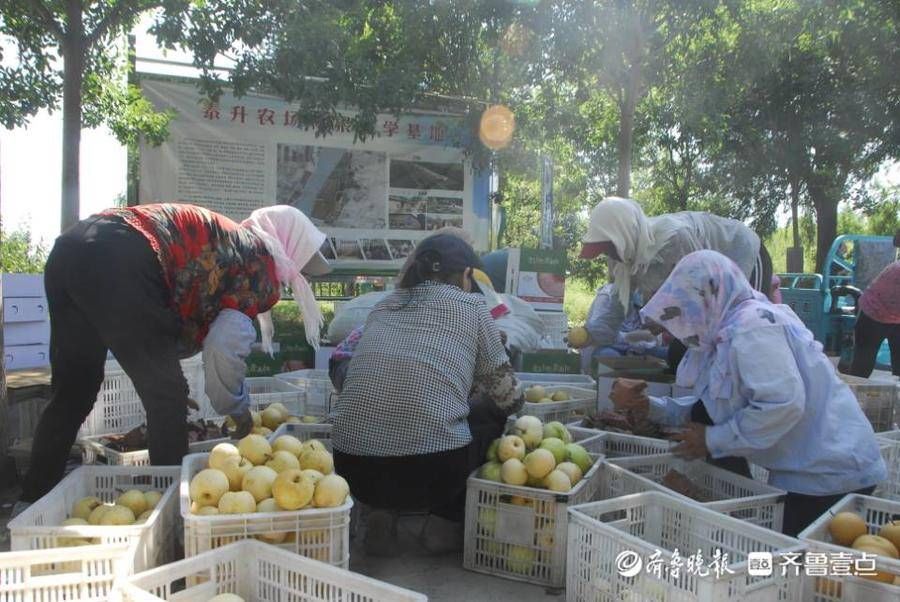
column 652, row 370
column 551, row 361
column 537, row 276
column 633, row 366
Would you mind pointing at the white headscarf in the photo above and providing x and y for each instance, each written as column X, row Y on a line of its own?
column 623, row 223
column 292, row 240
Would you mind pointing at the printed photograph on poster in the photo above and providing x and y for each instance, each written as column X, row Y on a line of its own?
column 407, row 204
column 347, row 249
column 436, row 222
column 427, row 176
column 375, row 249
column 335, row 187
column 401, row 249
column 327, row 250
column 440, row 204
column 406, row 221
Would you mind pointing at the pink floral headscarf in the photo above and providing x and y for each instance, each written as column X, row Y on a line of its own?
column 293, row 240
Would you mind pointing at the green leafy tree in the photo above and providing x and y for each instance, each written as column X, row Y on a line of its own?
column 89, row 81
column 819, row 107
column 19, row 254
column 612, row 54
column 883, row 215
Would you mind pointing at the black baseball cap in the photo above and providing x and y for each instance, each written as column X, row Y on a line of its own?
column 448, row 253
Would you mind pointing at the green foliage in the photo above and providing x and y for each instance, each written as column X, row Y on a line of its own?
column 129, row 115
column 37, row 31
column 816, row 105
column 883, row 216
column 779, row 241
column 579, row 296
column 20, row 255
column 378, row 57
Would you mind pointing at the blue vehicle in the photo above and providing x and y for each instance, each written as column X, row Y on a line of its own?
column 828, row 303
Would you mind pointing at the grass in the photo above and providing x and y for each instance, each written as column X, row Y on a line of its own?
column 578, row 300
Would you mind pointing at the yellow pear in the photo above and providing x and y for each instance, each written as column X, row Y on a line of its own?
column 293, row 490
column 317, row 460
column 283, row 460
column 288, row 443
column 134, row 500
column 118, row 515
column 83, row 507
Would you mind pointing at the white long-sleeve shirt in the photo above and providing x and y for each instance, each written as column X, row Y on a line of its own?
column 225, row 350
column 790, row 413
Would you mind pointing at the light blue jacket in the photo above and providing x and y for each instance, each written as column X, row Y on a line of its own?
column 790, row 413
column 225, row 350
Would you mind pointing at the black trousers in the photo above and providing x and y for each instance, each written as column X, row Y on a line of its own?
column 434, row 483
column 867, row 339
column 800, row 510
column 105, row 291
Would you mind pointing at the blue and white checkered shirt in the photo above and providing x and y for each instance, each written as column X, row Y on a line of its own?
column 408, row 385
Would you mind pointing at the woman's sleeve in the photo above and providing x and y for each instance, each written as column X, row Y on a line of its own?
column 494, row 378
column 669, row 411
column 605, row 317
column 225, row 350
column 776, row 397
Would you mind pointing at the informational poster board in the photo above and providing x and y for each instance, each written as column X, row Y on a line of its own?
column 375, row 200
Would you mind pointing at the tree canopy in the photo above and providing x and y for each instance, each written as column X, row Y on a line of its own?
column 72, row 52
column 741, row 108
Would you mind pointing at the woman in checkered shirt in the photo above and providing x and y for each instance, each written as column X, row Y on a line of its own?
column 402, row 434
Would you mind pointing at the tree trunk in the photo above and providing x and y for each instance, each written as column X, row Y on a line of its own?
column 73, row 76
column 826, row 222
column 795, row 207
column 4, row 400
column 625, row 142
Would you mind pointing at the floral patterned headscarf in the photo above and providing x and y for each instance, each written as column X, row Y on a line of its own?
column 703, row 303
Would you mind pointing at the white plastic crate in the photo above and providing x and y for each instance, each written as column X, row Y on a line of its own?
column 620, row 445
column 258, row 573
column 316, row 384
column 94, row 451
column 118, row 407
column 640, row 525
column 759, row 473
column 875, row 512
column 580, row 403
column 39, row 526
column 84, row 573
column 876, row 398
column 890, row 451
column 305, row 432
column 319, row 533
column 520, row 532
column 553, row 380
column 737, row 496
column 579, row 435
column 266, row 390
